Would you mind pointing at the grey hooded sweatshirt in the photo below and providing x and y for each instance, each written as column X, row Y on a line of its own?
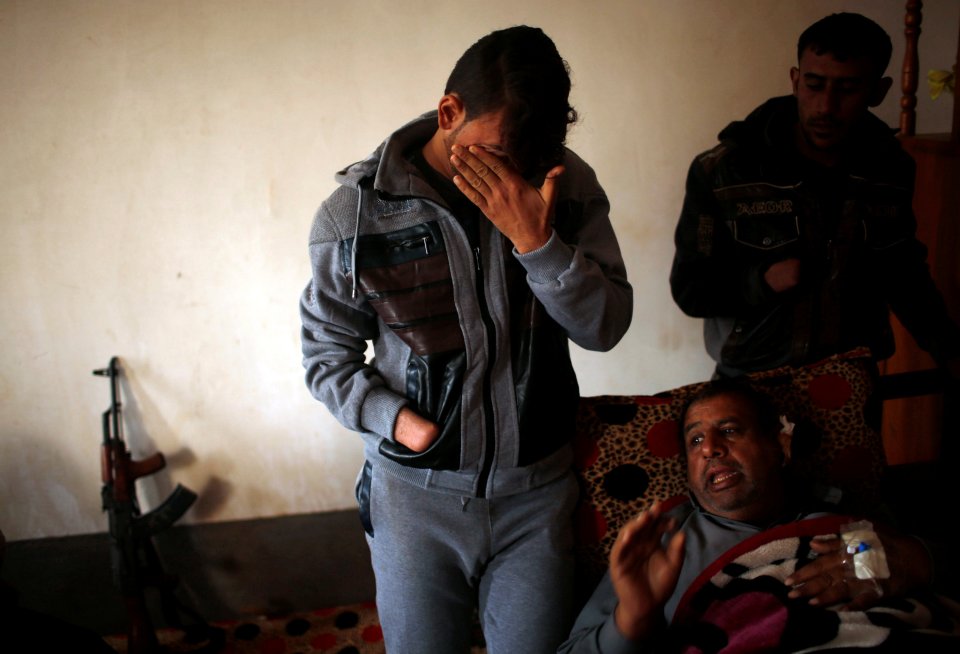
column 465, row 330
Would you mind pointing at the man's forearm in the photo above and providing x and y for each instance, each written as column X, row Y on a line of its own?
column 592, row 303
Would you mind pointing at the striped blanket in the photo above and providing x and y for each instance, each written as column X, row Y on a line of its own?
column 740, row 604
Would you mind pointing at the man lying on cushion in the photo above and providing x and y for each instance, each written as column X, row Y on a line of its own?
column 751, row 562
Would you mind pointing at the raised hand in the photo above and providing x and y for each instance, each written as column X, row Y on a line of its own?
column 521, row 211
column 645, row 572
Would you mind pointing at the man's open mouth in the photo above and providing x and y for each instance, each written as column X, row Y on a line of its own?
column 723, row 478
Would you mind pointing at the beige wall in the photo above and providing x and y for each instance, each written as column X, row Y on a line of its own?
column 160, row 163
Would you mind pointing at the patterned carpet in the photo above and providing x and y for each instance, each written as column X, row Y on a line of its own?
column 342, row 630
column 351, row 629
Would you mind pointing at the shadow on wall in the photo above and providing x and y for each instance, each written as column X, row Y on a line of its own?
column 155, row 488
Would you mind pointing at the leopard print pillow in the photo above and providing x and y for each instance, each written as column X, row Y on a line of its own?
column 627, row 451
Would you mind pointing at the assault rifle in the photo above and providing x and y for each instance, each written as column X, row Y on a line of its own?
column 134, row 560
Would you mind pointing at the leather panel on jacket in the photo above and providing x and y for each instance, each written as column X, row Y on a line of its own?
column 547, row 391
column 435, row 387
column 405, row 276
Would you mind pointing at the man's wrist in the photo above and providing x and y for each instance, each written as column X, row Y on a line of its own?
column 532, row 242
column 635, row 628
column 548, row 262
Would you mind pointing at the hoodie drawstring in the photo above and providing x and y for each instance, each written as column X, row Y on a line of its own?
column 353, row 247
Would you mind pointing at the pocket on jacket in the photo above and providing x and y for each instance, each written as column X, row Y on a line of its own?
column 766, row 232
column 760, row 216
column 886, row 216
column 405, row 276
column 434, row 386
column 362, row 492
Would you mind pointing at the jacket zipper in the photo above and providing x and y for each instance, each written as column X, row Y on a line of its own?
column 490, row 439
column 416, row 244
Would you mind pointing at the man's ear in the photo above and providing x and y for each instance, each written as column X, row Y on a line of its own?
column 794, row 79
column 450, row 112
column 880, row 91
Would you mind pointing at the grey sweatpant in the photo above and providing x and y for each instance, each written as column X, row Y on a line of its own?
column 437, row 556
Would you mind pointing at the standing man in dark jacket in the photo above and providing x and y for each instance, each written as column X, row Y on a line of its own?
column 797, row 233
column 469, row 248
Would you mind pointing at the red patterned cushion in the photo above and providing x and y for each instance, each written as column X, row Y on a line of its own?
column 627, row 453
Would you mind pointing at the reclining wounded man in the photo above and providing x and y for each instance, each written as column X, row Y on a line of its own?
column 753, row 560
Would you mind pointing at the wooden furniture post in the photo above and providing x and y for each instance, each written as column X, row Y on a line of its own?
column 925, row 427
column 911, row 64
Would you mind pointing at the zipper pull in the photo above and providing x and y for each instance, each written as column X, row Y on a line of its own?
column 426, row 245
column 476, row 258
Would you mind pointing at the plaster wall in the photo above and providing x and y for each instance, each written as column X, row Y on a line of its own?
column 160, row 164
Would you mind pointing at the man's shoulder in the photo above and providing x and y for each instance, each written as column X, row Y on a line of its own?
column 579, row 177
column 335, row 215
column 710, row 160
column 748, row 142
column 385, row 166
column 576, row 165
column 880, row 155
column 729, row 161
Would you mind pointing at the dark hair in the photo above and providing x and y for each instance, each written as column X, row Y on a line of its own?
column 847, row 36
column 518, row 70
column 768, row 417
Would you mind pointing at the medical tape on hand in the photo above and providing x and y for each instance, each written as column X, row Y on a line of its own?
column 787, row 426
column 863, row 546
